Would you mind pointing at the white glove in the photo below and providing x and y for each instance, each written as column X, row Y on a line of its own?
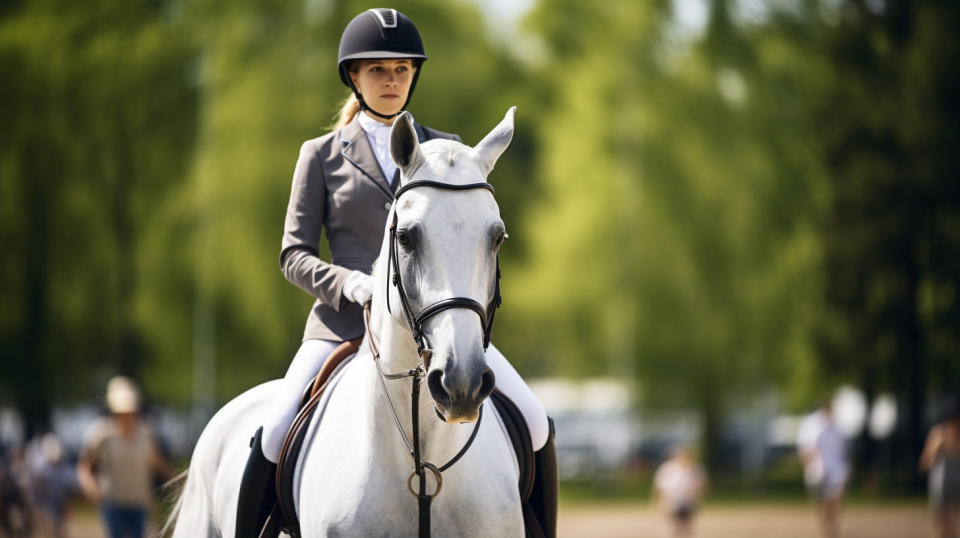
column 358, row 287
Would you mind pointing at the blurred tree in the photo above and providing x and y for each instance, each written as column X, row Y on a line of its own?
column 675, row 244
column 666, row 192
column 889, row 129
column 98, row 123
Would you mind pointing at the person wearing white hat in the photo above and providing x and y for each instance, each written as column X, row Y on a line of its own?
column 119, row 460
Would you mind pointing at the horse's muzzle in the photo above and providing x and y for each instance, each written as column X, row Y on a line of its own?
column 458, row 392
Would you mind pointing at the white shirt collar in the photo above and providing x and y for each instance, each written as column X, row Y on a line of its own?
column 379, row 136
column 371, row 125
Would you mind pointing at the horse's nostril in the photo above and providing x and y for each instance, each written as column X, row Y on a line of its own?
column 488, row 382
column 435, row 384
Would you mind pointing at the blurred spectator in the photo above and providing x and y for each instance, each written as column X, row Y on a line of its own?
column 53, row 481
column 941, row 456
column 15, row 507
column 679, row 484
column 119, row 458
column 823, row 449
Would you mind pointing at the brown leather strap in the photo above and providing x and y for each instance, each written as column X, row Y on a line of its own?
column 295, row 435
column 343, row 351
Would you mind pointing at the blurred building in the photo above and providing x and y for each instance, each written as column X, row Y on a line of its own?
column 601, row 433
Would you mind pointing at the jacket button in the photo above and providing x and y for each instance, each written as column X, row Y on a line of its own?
column 386, row 206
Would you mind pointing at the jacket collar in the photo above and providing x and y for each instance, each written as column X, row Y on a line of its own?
column 357, row 150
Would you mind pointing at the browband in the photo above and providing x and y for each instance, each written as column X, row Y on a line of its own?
column 441, row 185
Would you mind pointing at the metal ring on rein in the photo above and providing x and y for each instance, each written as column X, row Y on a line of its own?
column 436, row 474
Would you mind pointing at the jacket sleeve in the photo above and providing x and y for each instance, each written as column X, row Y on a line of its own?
column 301, row 234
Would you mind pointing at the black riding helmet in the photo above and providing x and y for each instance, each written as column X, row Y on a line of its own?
column 380, row 34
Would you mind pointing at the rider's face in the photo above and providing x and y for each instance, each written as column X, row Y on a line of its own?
column 384, row 84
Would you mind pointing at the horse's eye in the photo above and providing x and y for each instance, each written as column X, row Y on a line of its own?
column 500, row 238
column 403, row 237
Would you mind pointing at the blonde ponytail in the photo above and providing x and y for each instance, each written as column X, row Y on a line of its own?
column 351, row 107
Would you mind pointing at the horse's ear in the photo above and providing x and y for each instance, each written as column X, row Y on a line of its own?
column 492, row 146
column 404, row 145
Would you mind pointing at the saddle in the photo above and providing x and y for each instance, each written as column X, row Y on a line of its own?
column 283, row 516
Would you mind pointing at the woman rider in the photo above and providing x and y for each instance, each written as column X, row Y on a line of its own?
column 344, row 182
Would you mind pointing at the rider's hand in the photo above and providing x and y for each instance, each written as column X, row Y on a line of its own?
column 358, row 287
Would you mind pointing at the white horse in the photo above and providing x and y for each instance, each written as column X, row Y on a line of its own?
column 355, row 464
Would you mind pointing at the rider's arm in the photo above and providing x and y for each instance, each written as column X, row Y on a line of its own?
column 301, row 234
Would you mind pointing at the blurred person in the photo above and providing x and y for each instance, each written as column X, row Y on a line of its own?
column 344, row 184
column 679, row 485
column 53, row 479
column 119, row 459
column 823, row 450
column 16, row 508
column 941, row 457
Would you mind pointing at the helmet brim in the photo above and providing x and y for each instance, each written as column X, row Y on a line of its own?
column 382, row 55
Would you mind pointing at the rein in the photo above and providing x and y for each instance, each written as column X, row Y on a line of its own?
column 420, row 467
column 415, row 322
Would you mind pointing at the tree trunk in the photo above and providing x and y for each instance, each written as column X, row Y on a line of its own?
column 30, row 375
column 911, row 355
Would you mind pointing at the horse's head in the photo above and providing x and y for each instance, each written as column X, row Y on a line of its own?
column 445, row 242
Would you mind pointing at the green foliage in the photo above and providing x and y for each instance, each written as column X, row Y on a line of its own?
column 676, row 236
column 99, row 117
column 764, row 203
column 889, row 134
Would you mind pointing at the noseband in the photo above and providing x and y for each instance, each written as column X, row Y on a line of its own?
column 415, row 322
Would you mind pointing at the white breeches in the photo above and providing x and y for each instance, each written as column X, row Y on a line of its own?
column 311, row 356
column 510, row 383
column 304, row 367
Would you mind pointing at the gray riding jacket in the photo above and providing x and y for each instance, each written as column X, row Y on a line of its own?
column 337, row 185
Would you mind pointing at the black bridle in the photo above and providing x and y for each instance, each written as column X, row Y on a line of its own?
column 415, row 322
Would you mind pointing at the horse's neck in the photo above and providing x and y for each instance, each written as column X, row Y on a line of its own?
column 438, row 441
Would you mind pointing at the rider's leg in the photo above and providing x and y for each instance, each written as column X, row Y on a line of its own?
column 510, row 383
column 304, row 367
column 257, row 483
column 543, row 498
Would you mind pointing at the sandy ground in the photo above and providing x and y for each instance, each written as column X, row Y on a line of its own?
column 791, row 521
column 735, row 521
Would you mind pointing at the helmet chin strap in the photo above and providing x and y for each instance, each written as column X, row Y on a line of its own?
column 365, row 106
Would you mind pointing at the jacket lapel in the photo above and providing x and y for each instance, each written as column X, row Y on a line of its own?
column 358, row 152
